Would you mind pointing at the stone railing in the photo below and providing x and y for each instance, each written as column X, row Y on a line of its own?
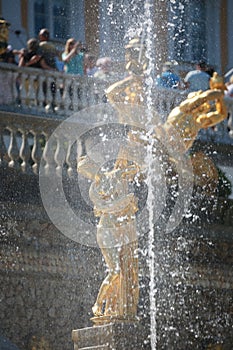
column 38, row 91
column 23, row 144
column 22, row 140
column 25, row 128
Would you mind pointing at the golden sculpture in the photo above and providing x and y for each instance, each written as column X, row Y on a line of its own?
column 201, row 110
column 117, row 239
column 113, row 203
column 4, row 33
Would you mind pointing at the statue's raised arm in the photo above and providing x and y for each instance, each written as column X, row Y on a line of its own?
column 201, row 110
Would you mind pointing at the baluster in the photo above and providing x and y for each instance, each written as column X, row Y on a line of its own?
column 96, row 91
column 16, row 87
column 59, row 93
column 80, row 92
column 3, row 151
column 71, row 158
column 36, row 152
column 30, row 92
column 23, row 88
column 48, row 156
column 42, row 94
column 84, row 93
column 54, row 93
column 76, row 94
column 71, row 94
column 47, row 93
column 25, row 152
column 35, row 89
column 66, row 96
column 89, row 92
column 50, row 93
column 91, row 100
column 59, row 157
column 13, row 151
column 27, row 86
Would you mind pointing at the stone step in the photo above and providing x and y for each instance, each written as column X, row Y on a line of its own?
column 92, row 336
column 98, row 347
column 117, row 336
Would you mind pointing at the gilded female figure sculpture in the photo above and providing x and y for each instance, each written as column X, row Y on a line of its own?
column 116, row 206
column 4, row 33
column 114, row 203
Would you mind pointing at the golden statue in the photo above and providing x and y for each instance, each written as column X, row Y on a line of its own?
column 110, row 192
column 4, row 33
column 116, row 206
column 201, row 110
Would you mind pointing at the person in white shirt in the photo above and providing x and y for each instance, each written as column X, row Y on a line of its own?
column 197, row 79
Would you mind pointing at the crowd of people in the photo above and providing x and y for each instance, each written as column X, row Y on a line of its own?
column 194, row 80
column 42, row 53
column 75, row 59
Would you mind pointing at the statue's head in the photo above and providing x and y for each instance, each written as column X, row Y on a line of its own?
column 4, row 33
column 135, row 56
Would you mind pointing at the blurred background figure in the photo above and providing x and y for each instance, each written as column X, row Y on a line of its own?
column 197, row 79
column 210, row 70
column 73, row 57
column 104, row 68
column 104, row 72
column 74, row 62
column 47, row 49
column 30, row 57
column 49, row 52
column 90, row 66
column 168, row 79
column 229, row 85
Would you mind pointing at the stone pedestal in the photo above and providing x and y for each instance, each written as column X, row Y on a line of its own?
column 114, row 336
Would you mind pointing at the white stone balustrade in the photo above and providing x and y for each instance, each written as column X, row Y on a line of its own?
column 24, row 146
column 41, row 91
column 22, row 140
column 25, row 128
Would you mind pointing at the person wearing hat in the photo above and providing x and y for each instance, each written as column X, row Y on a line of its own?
column 168, row 79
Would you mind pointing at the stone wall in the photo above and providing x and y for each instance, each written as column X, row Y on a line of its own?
column 45, row 288
column 48, row 282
